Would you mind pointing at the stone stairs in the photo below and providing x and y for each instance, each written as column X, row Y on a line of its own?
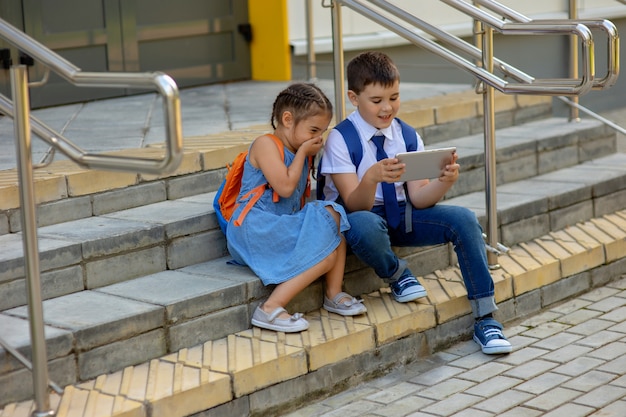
column 145, row 317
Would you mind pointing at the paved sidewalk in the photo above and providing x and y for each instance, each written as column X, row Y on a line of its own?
column 568, row 361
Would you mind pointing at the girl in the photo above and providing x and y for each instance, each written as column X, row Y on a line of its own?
column 283, row 242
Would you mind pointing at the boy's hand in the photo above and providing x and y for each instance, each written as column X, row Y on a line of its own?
column 451, row 171
column 388, row 170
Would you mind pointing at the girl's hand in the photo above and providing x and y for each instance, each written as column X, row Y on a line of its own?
column 312, row 146
column 451, row 171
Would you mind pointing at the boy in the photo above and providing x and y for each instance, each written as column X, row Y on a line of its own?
column 377, row 218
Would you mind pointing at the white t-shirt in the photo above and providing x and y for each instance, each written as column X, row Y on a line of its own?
column 336, row 158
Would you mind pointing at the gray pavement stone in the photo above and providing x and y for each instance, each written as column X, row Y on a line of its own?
column 54, row 283
column 55, row 212
column 578, row 316
column 181, row 253
column 104, row 236
column 570, row 410
column 589, row 381
column 530, row 369
column 552, row 398
column 126, row 266
column 446, row 388
column 53, row 253
column 178, row 218
column 542, row 383
column 452, row 404
column 97, row 319
column 567, row 353
column 486, row 371
column 591, row 326
column 493, row 386
column 129, row 197
column 437, row 375
column 522, row 355
column 608, row 304
column 132, row 351
column 184, row 296
column 214, row 326
column 610, row 351
column 15, row 331
column 503, row 401
column 578, row 366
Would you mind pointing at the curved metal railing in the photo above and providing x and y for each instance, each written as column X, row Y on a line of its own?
column 19, row 110
column 160, row 82
column 600, row 24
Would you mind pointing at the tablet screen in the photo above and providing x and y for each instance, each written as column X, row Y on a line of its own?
column 425, row 164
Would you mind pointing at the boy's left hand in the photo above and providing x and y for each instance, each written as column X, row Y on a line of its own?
column 451, row 171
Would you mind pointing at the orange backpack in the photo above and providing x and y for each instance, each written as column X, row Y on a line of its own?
column 226, row 200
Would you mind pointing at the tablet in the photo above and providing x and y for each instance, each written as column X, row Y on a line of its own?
column 425, row 164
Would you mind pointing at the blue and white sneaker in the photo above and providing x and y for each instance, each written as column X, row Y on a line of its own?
column 407, row 289
column 488, row 334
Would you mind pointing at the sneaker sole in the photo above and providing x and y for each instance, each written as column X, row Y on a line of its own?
column 346, row 312
column 495, row 350
column 276, row 328
column 410, row 297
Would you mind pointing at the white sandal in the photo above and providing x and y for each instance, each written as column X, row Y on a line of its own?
column 350, row 306
column 295, row 323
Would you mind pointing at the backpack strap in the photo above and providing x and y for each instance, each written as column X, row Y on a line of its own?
column 353, row 143
column 256, row 193
column 409, row 134
column 410, row 140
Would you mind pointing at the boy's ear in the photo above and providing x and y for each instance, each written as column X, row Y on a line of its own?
column 353, row 97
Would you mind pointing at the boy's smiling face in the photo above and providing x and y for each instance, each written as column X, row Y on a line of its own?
column 377, row 104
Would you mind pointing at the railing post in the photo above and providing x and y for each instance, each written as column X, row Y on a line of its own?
column 338, row 72
column 574, row 115
column 19, row 87
column 310, row 43
column 490, row 149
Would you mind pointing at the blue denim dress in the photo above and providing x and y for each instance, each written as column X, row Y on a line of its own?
column 279, row 241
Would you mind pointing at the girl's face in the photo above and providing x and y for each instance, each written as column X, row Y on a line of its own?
column 310, row 128
column 377, row 104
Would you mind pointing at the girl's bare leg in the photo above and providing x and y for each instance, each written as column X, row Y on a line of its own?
column 284, row 292
column 334, row 277
column 333, row 266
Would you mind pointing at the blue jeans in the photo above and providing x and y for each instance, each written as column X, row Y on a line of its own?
column 370, row 240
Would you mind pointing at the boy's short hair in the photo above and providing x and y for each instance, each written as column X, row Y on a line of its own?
column 371, row 68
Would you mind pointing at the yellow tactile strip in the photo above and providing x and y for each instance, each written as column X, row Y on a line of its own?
column 216, row 372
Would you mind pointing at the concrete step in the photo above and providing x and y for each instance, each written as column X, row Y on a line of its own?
column 133, row 297
column 67, row 192
column 115, row 248
column 112, row 247
column 257, row 372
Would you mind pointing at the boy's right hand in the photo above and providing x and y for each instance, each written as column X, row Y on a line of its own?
column 387, row 170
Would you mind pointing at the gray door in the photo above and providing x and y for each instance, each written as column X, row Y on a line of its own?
column 194, row 41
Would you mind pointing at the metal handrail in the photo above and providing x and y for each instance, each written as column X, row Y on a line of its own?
column 593, row 114
column 604, row 25
column 485, row 24
column 538, row 86
column 160, row 82
column 19, row 111
column 452, row 40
